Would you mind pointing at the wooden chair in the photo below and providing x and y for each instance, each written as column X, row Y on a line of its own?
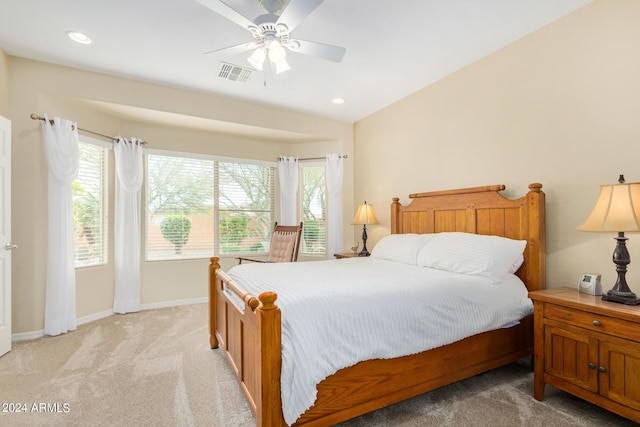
column 285, row 243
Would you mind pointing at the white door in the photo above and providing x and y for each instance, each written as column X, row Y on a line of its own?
column 5, row 235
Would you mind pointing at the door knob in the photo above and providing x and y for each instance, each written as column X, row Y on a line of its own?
column 9, row 246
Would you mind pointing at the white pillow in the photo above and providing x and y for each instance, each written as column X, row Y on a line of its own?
column 476, row 254
column 400, row 247
column 514, row 268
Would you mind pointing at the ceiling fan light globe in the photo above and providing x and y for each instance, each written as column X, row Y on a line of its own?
column 276, row 52
column 257, row 58
column 282, row 66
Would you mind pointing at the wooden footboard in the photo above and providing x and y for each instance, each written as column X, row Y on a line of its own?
column 249, row 331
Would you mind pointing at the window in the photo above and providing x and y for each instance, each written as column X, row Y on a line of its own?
column 197, row 207
column 314, row 209
column 89, row 206
column 245, row 200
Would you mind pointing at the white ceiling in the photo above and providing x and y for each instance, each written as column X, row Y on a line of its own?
column 394, row 48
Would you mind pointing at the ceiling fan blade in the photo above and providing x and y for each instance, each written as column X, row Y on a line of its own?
column 296, row 11
column 227, row 11
column 233, row 50
column 320, row 50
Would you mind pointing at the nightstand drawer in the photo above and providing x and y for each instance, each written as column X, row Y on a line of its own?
column 595, row 322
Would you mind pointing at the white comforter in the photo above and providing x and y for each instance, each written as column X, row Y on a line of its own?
column 339, row 312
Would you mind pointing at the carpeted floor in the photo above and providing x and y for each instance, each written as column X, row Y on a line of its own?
column 155, row 368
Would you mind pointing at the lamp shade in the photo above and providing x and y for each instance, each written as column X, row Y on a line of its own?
column 365, row 215
column 617, row 209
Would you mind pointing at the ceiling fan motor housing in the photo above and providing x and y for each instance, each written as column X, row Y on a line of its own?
column 266, row 30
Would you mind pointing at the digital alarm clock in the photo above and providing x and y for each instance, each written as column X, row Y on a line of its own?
column 589, row 283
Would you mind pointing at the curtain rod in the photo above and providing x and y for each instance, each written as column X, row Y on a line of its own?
column 342, row 156
column 37, row 117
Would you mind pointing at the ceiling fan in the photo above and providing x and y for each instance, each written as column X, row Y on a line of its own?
column 272, row 33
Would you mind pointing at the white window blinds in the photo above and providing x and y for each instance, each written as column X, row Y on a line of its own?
column 314, row 209
column 200, row 207
column 90, row 206
column 246, row 204
column 179, row 207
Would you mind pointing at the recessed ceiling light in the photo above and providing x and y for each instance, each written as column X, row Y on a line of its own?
column 78, row 37
column 338, row 100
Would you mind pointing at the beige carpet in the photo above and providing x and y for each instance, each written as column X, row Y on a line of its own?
column 155, row 368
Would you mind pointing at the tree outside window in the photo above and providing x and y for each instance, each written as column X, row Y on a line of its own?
column 314, row 209
column 89, row 207
column 189, row 195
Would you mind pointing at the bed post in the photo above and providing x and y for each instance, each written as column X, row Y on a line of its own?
column 213, row 266
column 536, row 248
column 395, row 211
column 269, row 319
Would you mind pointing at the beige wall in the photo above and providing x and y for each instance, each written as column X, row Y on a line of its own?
column 37, row 87
column 560, row 107
column 4, row 84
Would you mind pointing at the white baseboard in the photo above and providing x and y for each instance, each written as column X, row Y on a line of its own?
column 92, row 317
column 25, row 336
column 165, row 304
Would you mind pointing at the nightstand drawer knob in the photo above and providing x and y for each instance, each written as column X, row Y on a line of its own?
column 602, row 369
column 596, row 323
column 592, row 366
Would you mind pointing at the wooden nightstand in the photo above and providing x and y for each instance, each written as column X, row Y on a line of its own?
column 346, row 255
column 589, row 348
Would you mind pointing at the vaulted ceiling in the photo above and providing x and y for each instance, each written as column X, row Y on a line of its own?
column 393, row 48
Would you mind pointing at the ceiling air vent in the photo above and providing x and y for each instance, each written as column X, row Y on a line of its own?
column 234, row 73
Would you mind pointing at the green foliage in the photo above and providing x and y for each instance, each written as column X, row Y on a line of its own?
column 257, row 247
column 176, row 229
column 314, row 211
column 311, row 232
column 233, row 229
column 179, row 185
column 314, row 236
column 86, row 215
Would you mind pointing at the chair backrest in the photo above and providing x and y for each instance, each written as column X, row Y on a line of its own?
column 285, row 243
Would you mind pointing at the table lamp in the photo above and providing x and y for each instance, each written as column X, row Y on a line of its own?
column 364, row 216
column 617, row 210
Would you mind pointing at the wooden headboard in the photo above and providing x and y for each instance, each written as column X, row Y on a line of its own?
column 481, row 210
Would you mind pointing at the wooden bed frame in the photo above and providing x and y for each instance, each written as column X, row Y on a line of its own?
column 250, row 335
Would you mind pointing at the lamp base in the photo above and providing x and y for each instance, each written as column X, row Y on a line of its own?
column 364, row 251
column 620, row 292
column 621, row 298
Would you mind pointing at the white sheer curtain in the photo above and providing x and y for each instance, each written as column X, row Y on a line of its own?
column 288, row 176
column 334, row 202
column 62, row 153
column 129, row 176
